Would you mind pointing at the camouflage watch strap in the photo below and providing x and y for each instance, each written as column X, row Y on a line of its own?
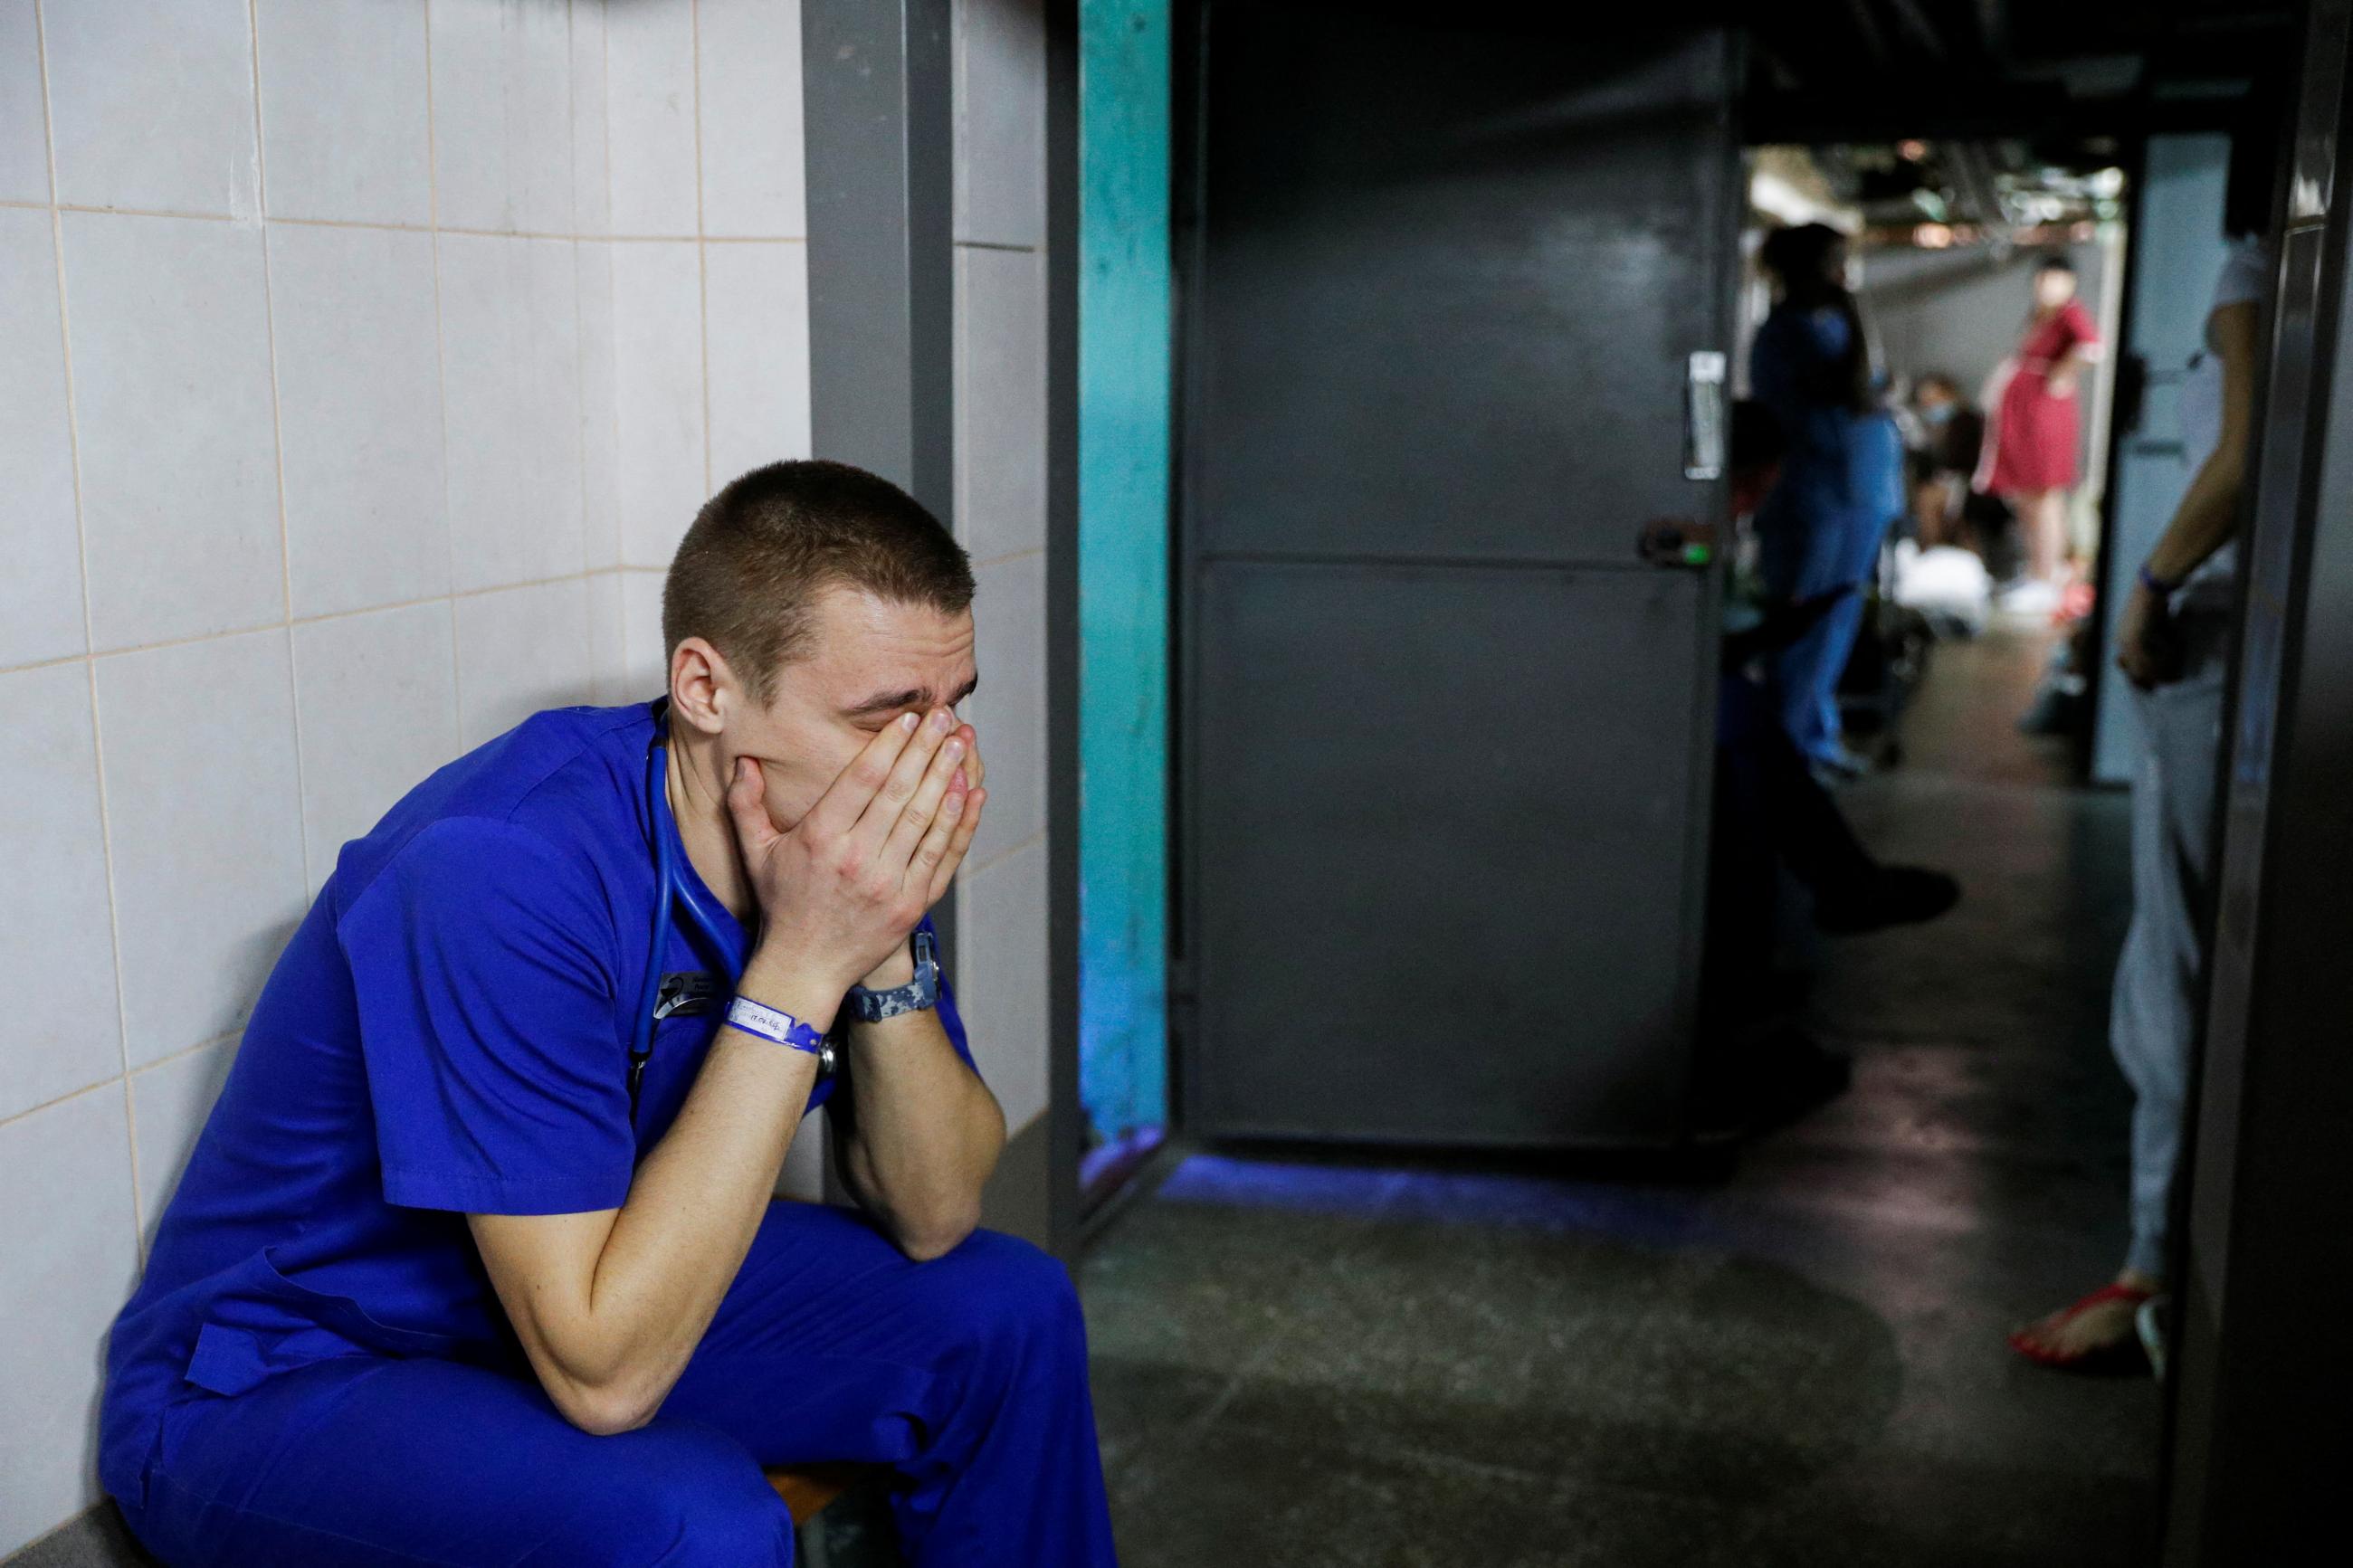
column 917, row 995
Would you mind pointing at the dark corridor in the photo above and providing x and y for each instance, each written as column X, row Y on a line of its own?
column 1799, row 1364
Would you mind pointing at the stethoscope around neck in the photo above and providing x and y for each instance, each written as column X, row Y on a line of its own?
column 670, row 891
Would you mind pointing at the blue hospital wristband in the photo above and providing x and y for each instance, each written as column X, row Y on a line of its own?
column 778, row 1028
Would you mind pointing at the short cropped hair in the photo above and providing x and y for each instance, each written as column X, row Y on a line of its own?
column 747, row 575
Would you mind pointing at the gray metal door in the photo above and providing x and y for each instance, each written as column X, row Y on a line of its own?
column 1445, row 740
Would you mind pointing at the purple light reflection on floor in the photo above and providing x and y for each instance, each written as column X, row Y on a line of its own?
column 1642, row 1216
column 1105, row 1158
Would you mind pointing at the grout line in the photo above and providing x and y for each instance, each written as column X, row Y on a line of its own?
column 605, row 52
column 278, row 442
column 114, row 925
column 621, row 540
column 448, row 506
column 52, row 663
column 703, row 291
column 579, row 340
column 579, row 314
column 133, row 212
column 64, row 344
column 64, row 355
column 168, row 1058
column 123, row 1077
column 48, row 129
column 90, row 666
column 432, row 176
column 973, row 868
column 194, row 637
column 431, row 227
column 111, row 1080
column 441, row 375
column 611, row 423
column 694, row 49
column 287, row 622
column 701, row 256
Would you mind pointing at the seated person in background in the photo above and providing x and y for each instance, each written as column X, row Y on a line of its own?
column 458, row 1276
column 1948, row 433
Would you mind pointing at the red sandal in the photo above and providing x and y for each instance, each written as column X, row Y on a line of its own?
column 2125, row 1355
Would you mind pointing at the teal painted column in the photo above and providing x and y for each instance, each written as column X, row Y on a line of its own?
column 1123, row 415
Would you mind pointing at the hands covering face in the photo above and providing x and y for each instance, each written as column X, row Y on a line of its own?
column 848, row 882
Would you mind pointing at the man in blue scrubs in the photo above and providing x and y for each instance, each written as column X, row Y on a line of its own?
column 442, row 1284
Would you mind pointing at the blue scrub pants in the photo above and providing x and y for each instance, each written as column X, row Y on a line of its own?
column 967, row 1375
column 1806, row 680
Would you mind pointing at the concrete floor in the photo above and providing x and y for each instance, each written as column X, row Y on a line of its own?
column 1301, row 1364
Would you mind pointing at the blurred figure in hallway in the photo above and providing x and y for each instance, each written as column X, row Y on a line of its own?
column 1840, row 483
column 1948, row 432
column 2030, row 459
column 2173, row 642
column 1961, row 537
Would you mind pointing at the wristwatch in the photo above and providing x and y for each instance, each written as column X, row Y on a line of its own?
column 919, row 994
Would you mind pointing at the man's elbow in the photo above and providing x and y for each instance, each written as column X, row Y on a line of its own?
column 598, row 1390
column 604, row 1410
column 924, row 1238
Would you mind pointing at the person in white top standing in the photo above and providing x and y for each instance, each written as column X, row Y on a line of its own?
column 2173, row 643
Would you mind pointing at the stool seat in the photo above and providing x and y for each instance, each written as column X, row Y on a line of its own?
column 809, row 1490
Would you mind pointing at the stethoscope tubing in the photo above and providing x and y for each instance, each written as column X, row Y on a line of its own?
column 671, row 892
column 641, row 1039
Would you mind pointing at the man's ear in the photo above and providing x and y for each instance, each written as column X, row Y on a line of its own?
column 704, row 690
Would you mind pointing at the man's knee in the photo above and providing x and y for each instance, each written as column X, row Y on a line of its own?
column 704, row 1501
column 725, row 1533
column 1020, row 1300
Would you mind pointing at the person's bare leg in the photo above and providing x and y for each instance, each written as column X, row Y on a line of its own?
column 1928, row 507
column 2049, row 543
column 2095, row 1329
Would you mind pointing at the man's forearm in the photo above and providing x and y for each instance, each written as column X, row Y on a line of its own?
column 925, row 1134
column 609, row 1342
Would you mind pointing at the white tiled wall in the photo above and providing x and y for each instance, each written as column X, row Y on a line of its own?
column 344, row 343
column 361, row 362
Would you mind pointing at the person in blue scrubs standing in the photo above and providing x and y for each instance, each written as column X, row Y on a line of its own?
column 447, row 1282
column 1841, row 479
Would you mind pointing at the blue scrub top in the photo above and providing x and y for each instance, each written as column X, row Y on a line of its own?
column 447, row 1033
column 1841, row 478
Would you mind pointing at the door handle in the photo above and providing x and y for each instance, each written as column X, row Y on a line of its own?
column 1677, row 541
column 1705, row 417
